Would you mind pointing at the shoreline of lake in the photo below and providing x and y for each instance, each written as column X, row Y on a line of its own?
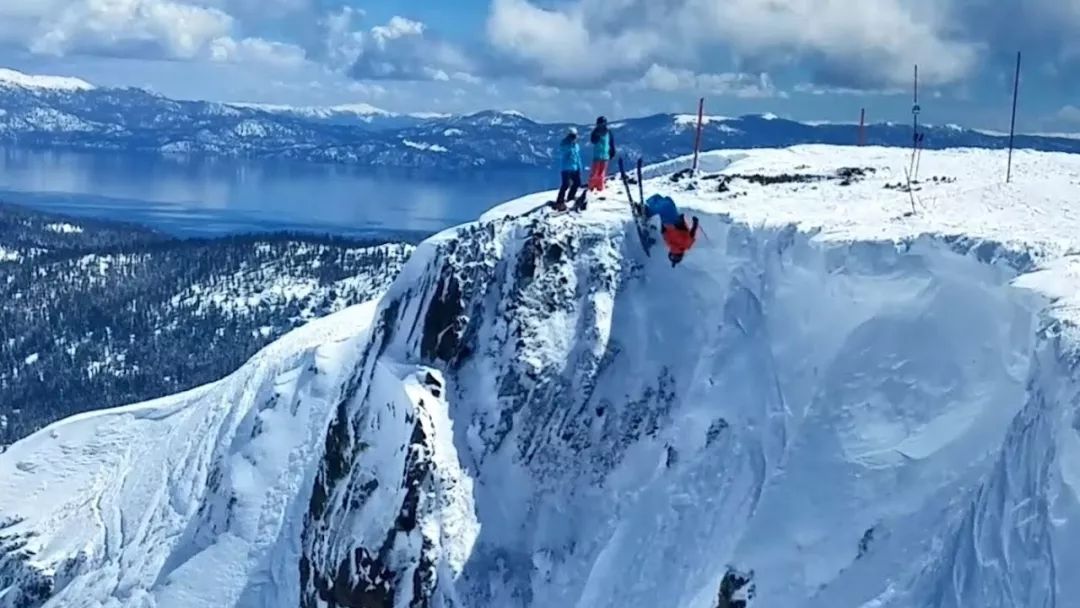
column 220, row 197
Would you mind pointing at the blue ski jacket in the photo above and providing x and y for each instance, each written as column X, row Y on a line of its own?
column 664, row 207
column 570, row 156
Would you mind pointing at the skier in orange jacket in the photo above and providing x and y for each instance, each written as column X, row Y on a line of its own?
column 678, row 236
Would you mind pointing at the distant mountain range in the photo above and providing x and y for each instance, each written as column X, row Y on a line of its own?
column 46, row 111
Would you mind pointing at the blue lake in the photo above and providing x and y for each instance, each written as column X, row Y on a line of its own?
column 213, row 197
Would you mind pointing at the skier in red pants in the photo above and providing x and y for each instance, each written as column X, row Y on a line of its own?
column 603, row 143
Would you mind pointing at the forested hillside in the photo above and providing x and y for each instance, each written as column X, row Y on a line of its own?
column 98, row 314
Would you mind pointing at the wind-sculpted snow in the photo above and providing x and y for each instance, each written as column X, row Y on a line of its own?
column 186, row 501
column 636, row 435
column 788, row 419
column 828, row 404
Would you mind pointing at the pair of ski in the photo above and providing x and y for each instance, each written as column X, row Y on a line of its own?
column 638, row 209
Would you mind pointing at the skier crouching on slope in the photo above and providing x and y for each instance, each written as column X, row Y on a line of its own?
column 570, row 164
column 678, row 236
column 603, row 143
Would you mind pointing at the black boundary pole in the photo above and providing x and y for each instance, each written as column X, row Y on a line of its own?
column 697, row 136
column 1012, row 126
column 915, row 109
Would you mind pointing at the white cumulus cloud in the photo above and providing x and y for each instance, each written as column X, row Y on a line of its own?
column 746, row 86
column 595, row 41
column 564, row 46
column 1069, row 114
column 155, row 29
column 400, row 49
column 257, row 51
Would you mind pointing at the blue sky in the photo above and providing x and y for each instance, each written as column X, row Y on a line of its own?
column 574, row 59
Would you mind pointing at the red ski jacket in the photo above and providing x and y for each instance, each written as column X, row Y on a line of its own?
column 678, row 241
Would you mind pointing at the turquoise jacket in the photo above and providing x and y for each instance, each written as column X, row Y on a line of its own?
column 602, row 145
column 570, row 155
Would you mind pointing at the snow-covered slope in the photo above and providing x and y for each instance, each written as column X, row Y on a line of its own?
column 190, row 500
column 831, row 402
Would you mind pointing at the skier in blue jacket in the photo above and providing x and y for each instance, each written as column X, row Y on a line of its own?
column 570, row 164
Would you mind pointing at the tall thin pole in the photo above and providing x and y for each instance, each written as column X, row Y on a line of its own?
column 915, row 109
column 1012, row 127
column 697, row 138
column 862, row 127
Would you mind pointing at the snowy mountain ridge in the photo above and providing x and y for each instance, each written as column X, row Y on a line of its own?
column 68, row 115
column 359, row 109
column 831, row 402
column 13, row 78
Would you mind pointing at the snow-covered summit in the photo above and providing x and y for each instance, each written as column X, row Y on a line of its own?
column 355, row 109
column 13, row 78
column 689, row 120
column 833, row 401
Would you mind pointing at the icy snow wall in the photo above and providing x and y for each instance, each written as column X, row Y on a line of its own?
column 785, row 420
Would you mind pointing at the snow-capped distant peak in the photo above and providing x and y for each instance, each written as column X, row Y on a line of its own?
column 429, row 115
column 12, row 78
column 497, row 117
column 356, row 109
column 363, row 109
column 689, row 120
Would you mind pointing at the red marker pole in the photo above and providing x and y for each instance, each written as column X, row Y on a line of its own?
column 697, row 138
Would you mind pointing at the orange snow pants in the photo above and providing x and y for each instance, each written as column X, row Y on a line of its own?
column 598, row 175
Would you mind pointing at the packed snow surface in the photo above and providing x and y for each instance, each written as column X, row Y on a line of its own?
column 1034, row 212
column 856, row 391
